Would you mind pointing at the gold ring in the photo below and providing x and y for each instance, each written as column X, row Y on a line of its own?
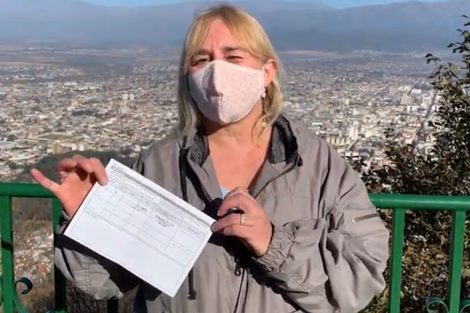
column 242, row 219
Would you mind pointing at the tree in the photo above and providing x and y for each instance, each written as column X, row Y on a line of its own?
column 443, row 170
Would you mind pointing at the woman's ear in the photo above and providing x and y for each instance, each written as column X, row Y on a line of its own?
column 270, row 71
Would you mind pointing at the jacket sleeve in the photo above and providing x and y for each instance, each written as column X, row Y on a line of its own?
column 335, row 263
column 88, row 271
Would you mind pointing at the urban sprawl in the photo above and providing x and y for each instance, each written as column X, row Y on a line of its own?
column 58, row 100
column 51, row 106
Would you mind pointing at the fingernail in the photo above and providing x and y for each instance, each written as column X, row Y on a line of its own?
column 213, row 226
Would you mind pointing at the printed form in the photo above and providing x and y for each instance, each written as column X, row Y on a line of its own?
column 142, row 227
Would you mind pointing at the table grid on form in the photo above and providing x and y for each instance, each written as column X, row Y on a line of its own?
column 135, row 214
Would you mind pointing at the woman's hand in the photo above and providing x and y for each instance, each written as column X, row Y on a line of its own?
column 252, row 226
column 77, row 176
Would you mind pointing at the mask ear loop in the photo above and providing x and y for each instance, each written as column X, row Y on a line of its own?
column 264, row 100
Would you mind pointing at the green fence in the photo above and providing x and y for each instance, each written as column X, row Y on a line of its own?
column 9, row 284
column 399, row 203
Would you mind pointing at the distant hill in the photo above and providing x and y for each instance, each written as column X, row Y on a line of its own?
column 47, row 165
column 292, row 25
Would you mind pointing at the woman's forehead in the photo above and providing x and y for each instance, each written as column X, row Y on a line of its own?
column 218, row 35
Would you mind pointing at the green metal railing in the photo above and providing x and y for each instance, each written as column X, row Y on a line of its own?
column 9, row 284
column 458, row 205
column 399, row 203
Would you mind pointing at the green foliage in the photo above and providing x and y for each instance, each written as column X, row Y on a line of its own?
column 443, row 170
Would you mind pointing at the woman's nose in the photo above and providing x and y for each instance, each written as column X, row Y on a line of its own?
column 212, row 84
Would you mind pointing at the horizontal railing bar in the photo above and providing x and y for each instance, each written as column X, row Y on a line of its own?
column 409, row 202
column 421, row 202
column 24, row 190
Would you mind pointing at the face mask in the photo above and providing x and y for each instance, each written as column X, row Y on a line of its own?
column 224, row 92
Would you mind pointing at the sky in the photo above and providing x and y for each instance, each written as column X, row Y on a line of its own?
column 333, row 3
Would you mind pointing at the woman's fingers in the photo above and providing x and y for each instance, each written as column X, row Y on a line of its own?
column 66, row 165
column 45, row 182
column 92, row 166
column 84, row 163
column 89, row 170
column 80, row 163
column 99, row 171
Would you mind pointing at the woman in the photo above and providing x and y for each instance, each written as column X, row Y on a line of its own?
column 305, row 237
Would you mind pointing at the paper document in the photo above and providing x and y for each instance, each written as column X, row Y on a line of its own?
column 142, row 227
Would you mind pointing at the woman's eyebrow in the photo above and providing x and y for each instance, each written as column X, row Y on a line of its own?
column 226, row 49
column 202, row 51
column 233, row 49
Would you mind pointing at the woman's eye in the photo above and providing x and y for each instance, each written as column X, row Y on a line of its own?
column 199, row 61
column 234, row 57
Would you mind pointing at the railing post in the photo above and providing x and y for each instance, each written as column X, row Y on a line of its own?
column 8, row 270
column 398, row 237
column 60, row 286
column 456, row 260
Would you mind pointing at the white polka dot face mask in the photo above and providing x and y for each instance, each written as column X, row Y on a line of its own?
column 224, row 92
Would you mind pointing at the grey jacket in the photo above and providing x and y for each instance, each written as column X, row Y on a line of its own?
column 327, row 254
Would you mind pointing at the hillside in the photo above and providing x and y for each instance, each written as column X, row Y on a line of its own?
column 40, row 209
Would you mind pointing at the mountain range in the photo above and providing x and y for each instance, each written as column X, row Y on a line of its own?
column 292, row 25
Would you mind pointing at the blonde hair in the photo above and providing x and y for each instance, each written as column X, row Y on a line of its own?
column 250, row 35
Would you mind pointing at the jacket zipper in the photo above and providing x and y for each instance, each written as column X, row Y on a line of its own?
column 238, row 269
column 364, row 217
